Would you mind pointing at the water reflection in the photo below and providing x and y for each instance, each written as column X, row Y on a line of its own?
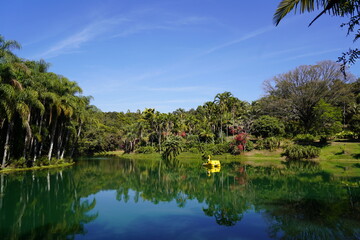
column 42, row 205
column 211, row 169
column 300, row 205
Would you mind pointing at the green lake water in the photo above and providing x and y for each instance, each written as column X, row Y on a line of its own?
column 125, row 199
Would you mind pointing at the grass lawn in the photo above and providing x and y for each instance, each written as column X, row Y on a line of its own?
column 338, row 158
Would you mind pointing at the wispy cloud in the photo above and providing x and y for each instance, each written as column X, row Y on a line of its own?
column 135, row 23
column 281, row 52
column 86, row 34
column 311, row 54
column 178, row 89
column 245, row 37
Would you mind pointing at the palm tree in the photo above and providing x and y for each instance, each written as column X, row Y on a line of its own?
column 223, row 100
column 335, row 7
column 6, row 55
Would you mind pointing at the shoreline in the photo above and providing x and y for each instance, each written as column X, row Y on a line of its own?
column 10, row 170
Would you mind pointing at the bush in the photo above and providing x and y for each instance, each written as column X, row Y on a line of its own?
column 304, row 139
column 267, row 126
column 221, row 148
column 19, row 163
column 270, row 143
column 145, row 150
column 192, row 141
column 286, row 143
column 42, row 161
column 298, row 152
column 215, row 149
column 249, row 146
column 346, row 135
column 194, row 150
column 172, row 148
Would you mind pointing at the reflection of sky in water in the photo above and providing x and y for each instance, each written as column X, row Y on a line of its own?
column 145, row 220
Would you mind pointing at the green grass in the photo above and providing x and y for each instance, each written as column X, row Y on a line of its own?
column 8, row 170
column 337, row 158
column 341, row 158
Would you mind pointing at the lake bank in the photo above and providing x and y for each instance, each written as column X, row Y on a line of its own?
column 338, row 158
column 10, row 170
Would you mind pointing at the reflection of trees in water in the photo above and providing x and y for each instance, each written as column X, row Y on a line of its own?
column 298, row 205
column 44, row 205
column 311, row 219
column 308, row 197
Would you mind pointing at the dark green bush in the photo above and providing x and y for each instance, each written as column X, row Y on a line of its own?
column 42, row 161
column 298, row 152
column 304, row 139
column 19, row 163
column 145, row 150
column 267, row 126
column 194, row 150
column 215, row 149
column 249, row 146
column 192, row 141
column 270, row 143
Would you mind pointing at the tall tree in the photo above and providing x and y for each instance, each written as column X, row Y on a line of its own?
column 297, row 92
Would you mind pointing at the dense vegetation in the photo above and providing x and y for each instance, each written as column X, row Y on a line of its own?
column 44, row 118
column 41, row 113
column 310, row 105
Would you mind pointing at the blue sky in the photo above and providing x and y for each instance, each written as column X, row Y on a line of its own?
column 168, row 54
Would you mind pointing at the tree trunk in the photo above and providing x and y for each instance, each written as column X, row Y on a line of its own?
column 76, row 139
column 220, row 132
column 52, row 139
column 28, row 135
column 36, row 142
column 7, row 145
column 59, row 141
column 64, row 145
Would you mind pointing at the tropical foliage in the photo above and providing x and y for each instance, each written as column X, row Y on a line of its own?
column 41, row 113
column 343, row 8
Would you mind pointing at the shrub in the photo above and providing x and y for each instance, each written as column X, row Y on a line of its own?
column 145, row 150
column 172, row 148
column 19, row 163
column 304, row 139
column 249, row 146
column 267, row 126
column 270, row 143
column 298, row 152
column 215, row 149
column 42, row 161
column 346, row 135
column 286, row 143
column 194, row 150
column 221, row 148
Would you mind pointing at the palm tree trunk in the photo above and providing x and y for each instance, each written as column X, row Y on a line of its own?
column 7, row 145
column 76, row 139
column 59, row 141
column 36, row 142
column 27, row 136
column 64, row 145
column 52, row 138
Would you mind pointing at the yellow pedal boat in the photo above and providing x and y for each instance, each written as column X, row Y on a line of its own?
column 211, row 163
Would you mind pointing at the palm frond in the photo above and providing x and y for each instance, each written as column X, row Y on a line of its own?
column 286, row 6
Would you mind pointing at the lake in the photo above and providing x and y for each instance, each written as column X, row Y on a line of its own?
column 112, row 198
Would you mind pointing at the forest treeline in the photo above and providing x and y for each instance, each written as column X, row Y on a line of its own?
column 310, row 103
column 44, row 118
